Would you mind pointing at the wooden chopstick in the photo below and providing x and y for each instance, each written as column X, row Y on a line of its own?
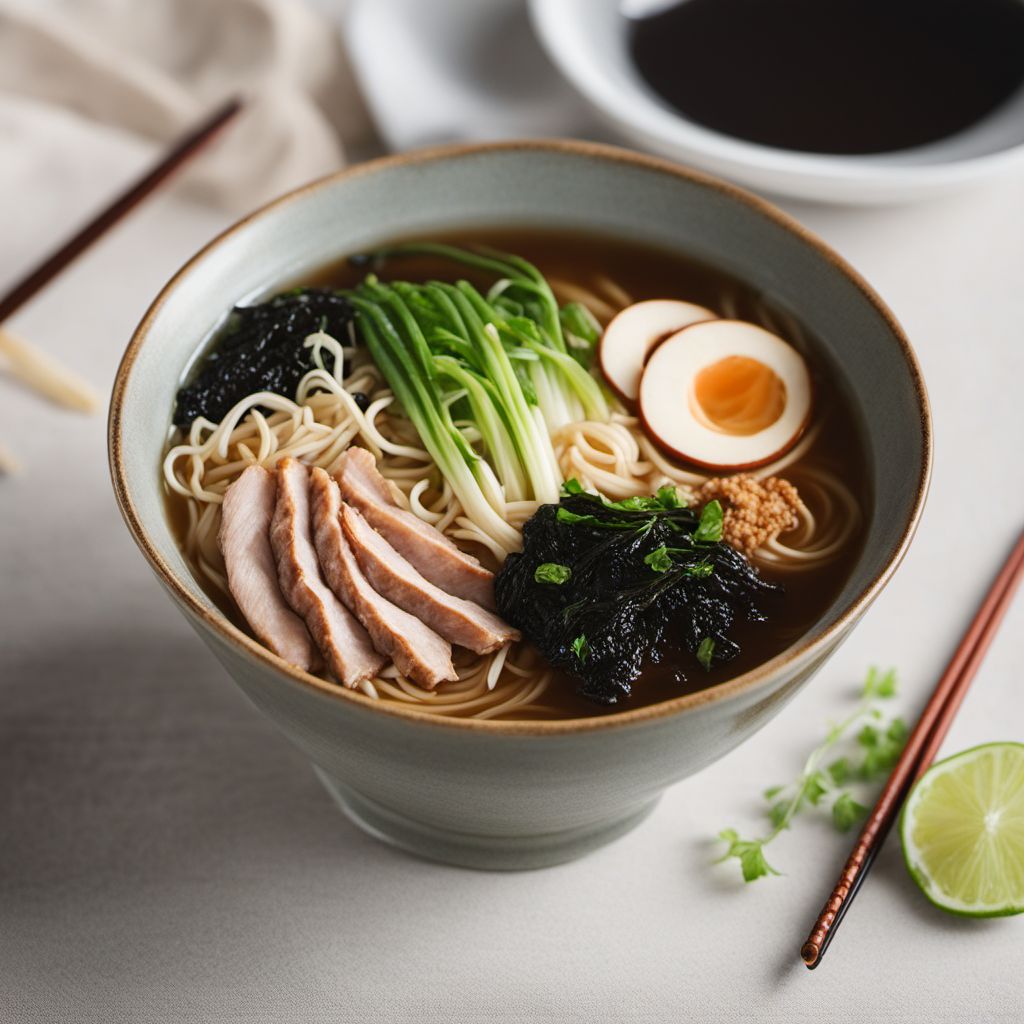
column 177, row 156
column 922, row 746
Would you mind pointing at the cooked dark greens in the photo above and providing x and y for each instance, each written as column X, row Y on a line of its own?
column 261, row 349
column 601, row 588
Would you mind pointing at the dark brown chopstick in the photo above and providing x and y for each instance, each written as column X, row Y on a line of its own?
column 922, row 746
column 178, row 155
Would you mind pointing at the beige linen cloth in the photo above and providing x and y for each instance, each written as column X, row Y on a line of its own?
column 154, row 68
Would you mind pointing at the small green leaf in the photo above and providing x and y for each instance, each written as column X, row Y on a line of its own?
column 659, row 559
column 636, row 504
column 701, row 569
column 868, row 737
column 897, row 731
column 563, row 515
column 750, row 854
column 705, row 652
column 753, row 863
column 839, row 771
column 772, row 792
column 815, row 788
column 668, row 497
column 880, row 684
column 886, row 685
column 552, row 572
column 846, row 812
column 709, row 529
column 572, row 486
column 580, row 647
column 878, row 761
column 778, row 813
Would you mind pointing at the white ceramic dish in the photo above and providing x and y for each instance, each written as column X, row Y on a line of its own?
column 587, row 40
column 508, row 794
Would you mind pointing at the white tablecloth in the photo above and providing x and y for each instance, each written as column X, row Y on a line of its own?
column 166, row 856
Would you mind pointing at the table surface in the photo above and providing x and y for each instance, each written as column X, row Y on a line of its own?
column 166, row 856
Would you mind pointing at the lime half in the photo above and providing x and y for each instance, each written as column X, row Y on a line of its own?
column 963, row 831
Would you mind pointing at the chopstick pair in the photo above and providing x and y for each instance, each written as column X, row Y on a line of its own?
column 43, row 373
column 922, row 746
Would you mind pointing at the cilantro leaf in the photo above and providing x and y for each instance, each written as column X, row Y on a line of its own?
column 668, row 497
column 580, row 647
column 563, row 515
column 846, row 812
column 839, row 770
column 709, row 529
column 659, row 559
column 878, row 742
column 700, row 569
column 897, row 731
column 778, row 813
column 750, row 854
column 814, row 788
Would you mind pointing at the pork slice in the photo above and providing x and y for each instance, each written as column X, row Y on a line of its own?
column 435, row 556
column 345, row 645
column 244, row 540
column 413, row 646
column 460, row 621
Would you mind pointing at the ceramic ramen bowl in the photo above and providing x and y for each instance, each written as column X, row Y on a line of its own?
column 524, row 794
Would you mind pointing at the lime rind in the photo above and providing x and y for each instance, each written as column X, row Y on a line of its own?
column 962, row 830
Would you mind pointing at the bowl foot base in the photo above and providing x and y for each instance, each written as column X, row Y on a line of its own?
column 471, row 850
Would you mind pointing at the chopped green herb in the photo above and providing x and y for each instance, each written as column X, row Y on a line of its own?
column 565, row 516
column 668, row 497
column 552, row 572
column 709, row 529
column 839, row 771
column 750, row 854
column 705, row 652
column 701, row 569
column 572, row 486
column 659, row 559
column 881, row 745
column 580, row 647
column 640, row 503
column 846, row 812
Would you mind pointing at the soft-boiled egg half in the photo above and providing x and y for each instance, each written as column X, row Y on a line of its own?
column 634, row 332
column 725, row 394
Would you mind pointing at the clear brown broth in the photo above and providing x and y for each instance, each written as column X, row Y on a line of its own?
column 647, row 272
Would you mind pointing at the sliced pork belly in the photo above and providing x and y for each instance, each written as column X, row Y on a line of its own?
column 345, row 645
column 413, row 646
column 244, row 541
column 460, row 621
column 429, row 550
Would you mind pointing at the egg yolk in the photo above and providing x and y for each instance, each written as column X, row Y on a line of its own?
column 738, row 395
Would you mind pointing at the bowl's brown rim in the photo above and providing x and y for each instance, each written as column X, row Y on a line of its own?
column 750, row 680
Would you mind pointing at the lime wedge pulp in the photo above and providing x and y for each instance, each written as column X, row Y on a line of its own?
column 963, row 831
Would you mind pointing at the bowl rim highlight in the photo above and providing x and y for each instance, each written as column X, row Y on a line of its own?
column 806, row 648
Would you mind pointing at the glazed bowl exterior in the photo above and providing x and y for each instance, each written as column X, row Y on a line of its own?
column 507, row 794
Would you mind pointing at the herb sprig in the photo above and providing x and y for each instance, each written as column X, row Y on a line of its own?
column 878, row 745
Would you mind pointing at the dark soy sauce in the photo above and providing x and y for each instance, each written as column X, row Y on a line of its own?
column 834, row 76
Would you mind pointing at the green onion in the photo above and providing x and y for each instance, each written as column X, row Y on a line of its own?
column 502, row 359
